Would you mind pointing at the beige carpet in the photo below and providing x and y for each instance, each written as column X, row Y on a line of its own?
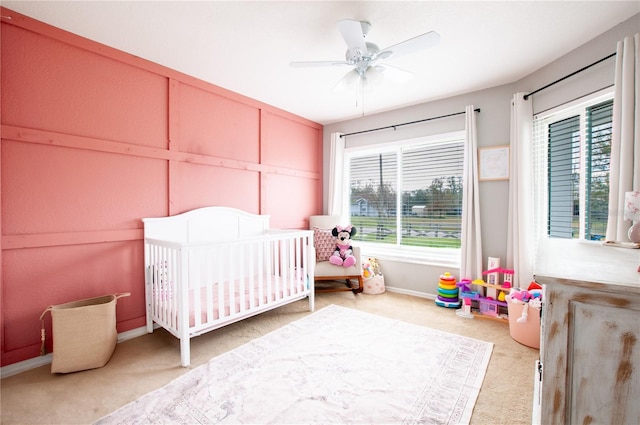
column 338, row 365
column 149, row 362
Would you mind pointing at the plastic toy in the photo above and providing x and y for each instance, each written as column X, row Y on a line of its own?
column 370, row 268
column 447, row 292
column 490, row 299
column 465, row 311
column 374, row 266
column 464, row 285
column 367, row 270
column 529, row 297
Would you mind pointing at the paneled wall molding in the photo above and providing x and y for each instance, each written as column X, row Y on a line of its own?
column 30, row 135
column 69, row 238
column 173, row 197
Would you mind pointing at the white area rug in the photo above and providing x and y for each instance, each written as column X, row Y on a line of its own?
column 336, row 365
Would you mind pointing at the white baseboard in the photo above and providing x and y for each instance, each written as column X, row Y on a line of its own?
column 23, row 366
column 133, row 333
column 410, row 292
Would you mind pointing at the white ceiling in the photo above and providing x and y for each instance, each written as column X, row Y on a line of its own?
column 246, row 46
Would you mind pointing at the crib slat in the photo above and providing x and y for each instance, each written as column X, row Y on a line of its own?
column 261, row 281
column 275, row 245
column 170, row 306
column 291, row 272
column 184, row 306
column 251, row 272
column 299, row 264
column 164, row 277
column 208, row 285
column 195, row 285
column 219, row 282
column 231, row 280
column 242, row 276
column 269, row 272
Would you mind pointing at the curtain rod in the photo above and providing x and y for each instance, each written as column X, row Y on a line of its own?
column 526, row 96
column 405, row 123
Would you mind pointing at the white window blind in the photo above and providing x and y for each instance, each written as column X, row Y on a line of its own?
column 600, row 127
column 572, row 149
column 409, row 194
column 564, row 169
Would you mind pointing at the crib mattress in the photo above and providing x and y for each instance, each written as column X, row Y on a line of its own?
column 208, row 301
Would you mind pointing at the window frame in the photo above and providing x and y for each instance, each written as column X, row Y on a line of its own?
column 541, row 181
column 447, row 257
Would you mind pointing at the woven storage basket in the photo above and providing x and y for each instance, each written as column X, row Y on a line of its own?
column 84, row 333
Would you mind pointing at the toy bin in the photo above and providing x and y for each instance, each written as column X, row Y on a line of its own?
column 374, row 285
column 84, row 333
column 525, row 329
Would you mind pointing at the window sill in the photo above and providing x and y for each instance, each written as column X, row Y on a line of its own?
column 445, row 257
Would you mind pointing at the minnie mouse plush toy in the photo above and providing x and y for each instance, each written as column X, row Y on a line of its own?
column 343, row 255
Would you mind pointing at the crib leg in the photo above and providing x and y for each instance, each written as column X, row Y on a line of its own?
column 149, row 323
column 185, row 352
column 312, row 301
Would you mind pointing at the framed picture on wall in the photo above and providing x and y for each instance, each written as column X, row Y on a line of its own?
column 494, row 163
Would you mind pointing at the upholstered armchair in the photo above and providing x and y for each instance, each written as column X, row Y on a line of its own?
column 325, row 245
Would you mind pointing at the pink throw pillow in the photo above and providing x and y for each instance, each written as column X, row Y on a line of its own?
column 324, row 243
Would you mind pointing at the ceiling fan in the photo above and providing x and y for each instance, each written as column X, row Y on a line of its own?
column 367, row 58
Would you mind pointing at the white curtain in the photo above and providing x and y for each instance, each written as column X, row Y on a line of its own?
column 471, row 258
column 624, row 173
column 336, row 172
column 520, row 238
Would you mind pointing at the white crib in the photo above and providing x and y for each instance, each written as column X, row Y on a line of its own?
column 213, row 266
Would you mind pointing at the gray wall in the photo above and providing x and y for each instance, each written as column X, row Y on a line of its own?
column 493, row 129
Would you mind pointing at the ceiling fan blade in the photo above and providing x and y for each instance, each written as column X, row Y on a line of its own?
column 395, row 73
column 411, row 45
column 354, row 37
column 316, row 63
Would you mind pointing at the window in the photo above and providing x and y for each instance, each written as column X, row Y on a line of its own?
column 572, row 148
column 408, row 195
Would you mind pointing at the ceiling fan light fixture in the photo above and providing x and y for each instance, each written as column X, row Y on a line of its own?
column 369, row 82
column 352, row 77
column 373, row 75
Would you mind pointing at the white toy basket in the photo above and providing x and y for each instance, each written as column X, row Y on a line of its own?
column 374, row 285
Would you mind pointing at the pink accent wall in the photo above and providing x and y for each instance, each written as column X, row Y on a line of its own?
column 93, row 139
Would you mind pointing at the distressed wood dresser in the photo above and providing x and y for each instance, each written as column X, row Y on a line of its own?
column 590, row 338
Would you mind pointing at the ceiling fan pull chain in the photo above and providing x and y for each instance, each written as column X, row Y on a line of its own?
column 362, row 90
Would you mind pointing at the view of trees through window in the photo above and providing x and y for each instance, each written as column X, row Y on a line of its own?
column 599, row 123
column 578, row 156
column 408, row 196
